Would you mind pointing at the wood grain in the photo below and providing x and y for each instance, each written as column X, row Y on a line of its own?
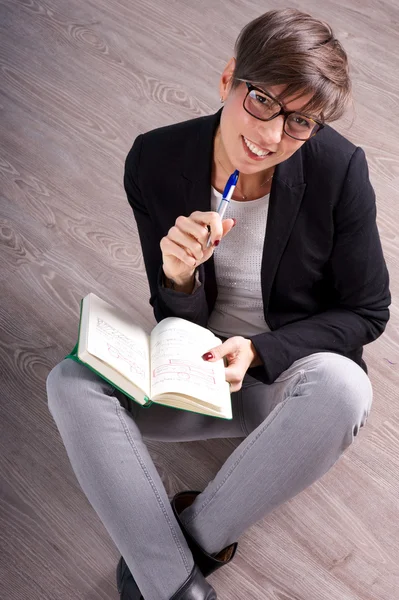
column 79, row 81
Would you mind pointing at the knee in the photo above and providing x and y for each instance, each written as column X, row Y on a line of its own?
column 58, row 382
column 66, row 385
column 347, row 391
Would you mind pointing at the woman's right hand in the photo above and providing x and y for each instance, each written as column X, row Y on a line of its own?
column 184, row 247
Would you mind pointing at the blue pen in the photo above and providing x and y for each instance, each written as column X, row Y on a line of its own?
column 227, row 194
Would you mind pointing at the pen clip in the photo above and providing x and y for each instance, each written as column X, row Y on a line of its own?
column 232, row 180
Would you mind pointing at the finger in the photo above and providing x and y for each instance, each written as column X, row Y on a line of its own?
column 170, row 248
column 197, row 230
column 213, row 220
column 234, row 376
column 230, row 346
column 234, row 373
column 228, row 225
column 185, row 240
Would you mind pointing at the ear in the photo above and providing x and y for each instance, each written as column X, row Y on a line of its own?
column 226, row 78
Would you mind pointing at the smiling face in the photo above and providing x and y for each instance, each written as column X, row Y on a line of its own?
column 251, row 145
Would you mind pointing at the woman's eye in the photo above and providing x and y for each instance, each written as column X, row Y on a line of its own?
column 302, row 122
column 259, row 98
column 263, row 100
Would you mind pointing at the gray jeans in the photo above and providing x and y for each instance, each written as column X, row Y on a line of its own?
column 294, row 430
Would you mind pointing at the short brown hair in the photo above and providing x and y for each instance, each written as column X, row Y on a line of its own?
column 292, row 48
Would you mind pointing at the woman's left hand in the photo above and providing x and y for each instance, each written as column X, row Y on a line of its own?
column 240, row 354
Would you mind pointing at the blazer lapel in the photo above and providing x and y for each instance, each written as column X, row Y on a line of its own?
column 197, row 170
column 285, row 200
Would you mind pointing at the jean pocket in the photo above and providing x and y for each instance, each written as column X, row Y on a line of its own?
column 289, row 374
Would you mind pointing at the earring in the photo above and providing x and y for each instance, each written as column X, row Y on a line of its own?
column 221, row 99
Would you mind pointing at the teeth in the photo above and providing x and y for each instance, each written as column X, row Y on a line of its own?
column 255, row 149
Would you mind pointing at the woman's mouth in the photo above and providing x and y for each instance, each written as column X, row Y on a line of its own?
column 254, row 151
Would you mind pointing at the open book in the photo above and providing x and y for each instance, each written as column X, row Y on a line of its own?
column 165, row 367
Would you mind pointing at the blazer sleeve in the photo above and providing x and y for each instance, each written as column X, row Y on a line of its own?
column 360, row 278
column 165, row 302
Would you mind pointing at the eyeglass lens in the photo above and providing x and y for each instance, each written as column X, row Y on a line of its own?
column 263, row 107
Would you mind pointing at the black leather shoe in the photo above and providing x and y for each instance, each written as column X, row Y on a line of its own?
column 195, row 587
column 127, row 587
column 207, row 563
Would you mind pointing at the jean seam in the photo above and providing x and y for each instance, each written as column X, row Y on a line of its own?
column 242, row 416
column 235, row 465
column 302, row 379
column 152, row 484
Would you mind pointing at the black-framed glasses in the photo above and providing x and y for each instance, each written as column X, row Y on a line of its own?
column 263, row 106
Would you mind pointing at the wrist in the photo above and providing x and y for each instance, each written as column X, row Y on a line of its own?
column 185, row 285
column 256, row 360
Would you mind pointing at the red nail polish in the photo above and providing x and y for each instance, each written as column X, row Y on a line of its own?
column 216, row 242
column 235, row 222
column 207, row 356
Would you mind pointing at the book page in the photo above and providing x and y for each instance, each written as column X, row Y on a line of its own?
column 176, row 364
column 114, row 339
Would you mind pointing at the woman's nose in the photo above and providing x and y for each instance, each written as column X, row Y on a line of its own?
column 272, row 131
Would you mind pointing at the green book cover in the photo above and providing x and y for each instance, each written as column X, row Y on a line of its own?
column 73, row 355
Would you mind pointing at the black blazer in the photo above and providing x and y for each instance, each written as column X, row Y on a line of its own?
column 324, row 278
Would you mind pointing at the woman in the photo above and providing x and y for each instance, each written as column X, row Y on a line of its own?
column 295, row 290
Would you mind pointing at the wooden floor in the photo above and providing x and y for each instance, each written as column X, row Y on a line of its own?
column 79, row 81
